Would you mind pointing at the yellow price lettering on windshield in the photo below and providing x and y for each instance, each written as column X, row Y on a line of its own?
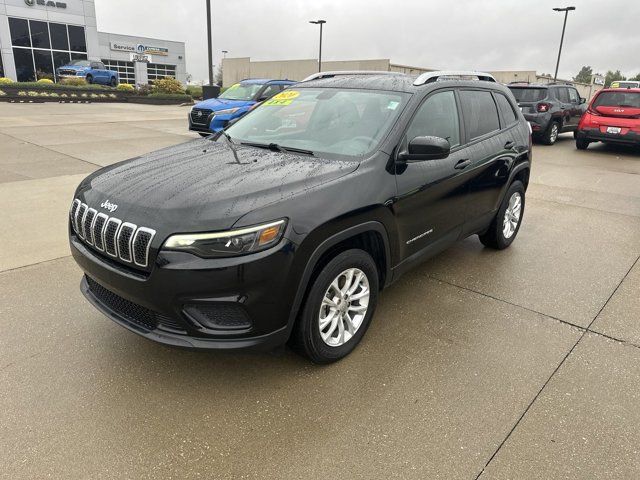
column 234, row 86
column 283, row 98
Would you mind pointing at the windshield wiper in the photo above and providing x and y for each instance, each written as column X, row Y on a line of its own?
column 278, row 148
column 231, row 144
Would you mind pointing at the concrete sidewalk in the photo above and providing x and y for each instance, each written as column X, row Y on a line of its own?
column 519, row 364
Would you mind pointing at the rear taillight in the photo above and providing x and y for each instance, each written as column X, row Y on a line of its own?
column 543, row 107
column 592, row 111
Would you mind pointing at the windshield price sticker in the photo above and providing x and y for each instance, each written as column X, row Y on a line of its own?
column 234, row 86
column 283, row 98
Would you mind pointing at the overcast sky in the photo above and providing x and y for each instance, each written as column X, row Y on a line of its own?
column 448, row 34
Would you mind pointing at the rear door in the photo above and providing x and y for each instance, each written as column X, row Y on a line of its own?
column 576, row 108
column 432, row 194
column 491, row 146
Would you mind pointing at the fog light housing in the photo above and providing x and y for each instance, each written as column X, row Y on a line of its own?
column 219, row 316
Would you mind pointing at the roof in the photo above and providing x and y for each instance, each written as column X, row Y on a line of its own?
column 264, row 80
column 399, row 82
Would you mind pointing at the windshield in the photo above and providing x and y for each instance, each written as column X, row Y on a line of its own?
column 618, row 99
column 80, row 63
column 528, row 94
column 241, row 91
column 328, row 120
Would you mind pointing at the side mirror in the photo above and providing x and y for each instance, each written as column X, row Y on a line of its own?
column 426, row 148
column 583, row 100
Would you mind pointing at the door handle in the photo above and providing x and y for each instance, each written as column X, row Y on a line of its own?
column 509, row 145
column 462, row 164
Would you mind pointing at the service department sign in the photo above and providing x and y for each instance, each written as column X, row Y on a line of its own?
column 140, row 48
column 46, row 3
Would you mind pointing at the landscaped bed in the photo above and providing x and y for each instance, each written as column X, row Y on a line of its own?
column 167, row 93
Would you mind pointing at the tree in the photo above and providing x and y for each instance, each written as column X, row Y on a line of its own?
column 584, row 75
column 611, row 77
column 218, row 77
column 636, row 78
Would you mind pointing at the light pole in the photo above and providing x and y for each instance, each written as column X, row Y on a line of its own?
column 209, row 49
column 566, row 11
column 224, row 53
column 319, row 22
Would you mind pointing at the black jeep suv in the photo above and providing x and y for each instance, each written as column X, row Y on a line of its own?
column 551, row 109
column 288, row 224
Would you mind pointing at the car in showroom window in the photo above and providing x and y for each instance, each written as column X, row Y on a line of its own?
column 285, row 226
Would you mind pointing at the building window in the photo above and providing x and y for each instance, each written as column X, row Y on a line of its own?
column 1, row 66
column 39, row 48
column 156, row 71
column 125, row 70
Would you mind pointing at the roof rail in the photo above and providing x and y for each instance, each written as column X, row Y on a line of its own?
column 338, row 73
column 430, row 77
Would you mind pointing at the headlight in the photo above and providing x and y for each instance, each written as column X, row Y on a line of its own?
column 230, row 243
column 228, row 111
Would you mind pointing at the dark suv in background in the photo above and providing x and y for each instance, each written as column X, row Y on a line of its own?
column 286, row 225
column 551, row 109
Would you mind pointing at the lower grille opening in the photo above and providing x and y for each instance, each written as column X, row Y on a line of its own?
column 219, row 316
column 134, row 313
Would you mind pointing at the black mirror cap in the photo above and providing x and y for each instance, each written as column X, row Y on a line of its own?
column 426, row 148
column 583, row 100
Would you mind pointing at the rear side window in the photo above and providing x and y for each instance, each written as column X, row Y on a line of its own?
column 480, row 113
column 526, row 94
column 508, row 115
column 438, row 117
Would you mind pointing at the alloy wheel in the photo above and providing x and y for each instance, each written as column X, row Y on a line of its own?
column 512, row 215
column 344, row 307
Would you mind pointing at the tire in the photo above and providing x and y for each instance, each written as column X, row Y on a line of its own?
column 113, row 82
column 322, row 344
column 582, row 144
column 203, row 134
column 497, row 236
column 89, row 79
column 550, row 136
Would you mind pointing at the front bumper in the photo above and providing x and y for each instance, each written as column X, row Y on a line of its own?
column 597, row 135
column 186, row 301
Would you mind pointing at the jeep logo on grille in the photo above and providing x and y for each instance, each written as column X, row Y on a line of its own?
column 107, row 205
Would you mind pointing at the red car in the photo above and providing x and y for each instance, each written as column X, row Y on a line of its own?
column 613, row 116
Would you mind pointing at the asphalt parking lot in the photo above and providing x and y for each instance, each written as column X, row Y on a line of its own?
column 519, row 364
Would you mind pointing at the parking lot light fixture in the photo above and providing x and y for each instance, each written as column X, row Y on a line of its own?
column 566, row 11
column 319, row 22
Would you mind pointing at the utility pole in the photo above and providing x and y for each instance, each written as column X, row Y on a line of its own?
column 209, row 42
column 566, row 11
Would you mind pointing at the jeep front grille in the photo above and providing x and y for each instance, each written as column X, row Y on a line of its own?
column 123, row 240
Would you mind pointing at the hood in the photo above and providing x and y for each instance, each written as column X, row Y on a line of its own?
column 216, row 104
column 77, row 68
column 200, row 186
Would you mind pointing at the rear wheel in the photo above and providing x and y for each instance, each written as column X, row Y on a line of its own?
column 582, row 143
column 550, row 136
column 506, row 224
column 338, row 308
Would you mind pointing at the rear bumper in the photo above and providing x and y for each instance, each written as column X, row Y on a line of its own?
column 539, row 121
column 596, row 135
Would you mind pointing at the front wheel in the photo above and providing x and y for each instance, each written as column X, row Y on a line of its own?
column 89, row 79
column 114, row 82
column 506, row 224
column 339, row 307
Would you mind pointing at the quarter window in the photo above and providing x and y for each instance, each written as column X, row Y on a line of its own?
column 438, row 117
column 508, row 115
column 480, row 113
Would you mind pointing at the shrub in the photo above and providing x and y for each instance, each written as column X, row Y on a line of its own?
column 74, row 82
column 5, row 81
column 194, row 90
column 125, row 87
column 2, row 94
column 45, row 81
column 145, row 89
column 169, row 85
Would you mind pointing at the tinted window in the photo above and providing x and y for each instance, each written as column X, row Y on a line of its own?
column 59, row 38
column 44, row 65
column 39, row 34
column 78, row 56
column 508, row 115
column 60, row 59
column 438, row 117
column 1, row 66
column 77, row 41
column 24, row 64
column 19, row 32
column 563, row 94
column 573, row 95
column 618, row 99
column 526, row 94
column 480, row 113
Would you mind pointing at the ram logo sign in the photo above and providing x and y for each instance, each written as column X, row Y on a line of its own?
column 46, row 3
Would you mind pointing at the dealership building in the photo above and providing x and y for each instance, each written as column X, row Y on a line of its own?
column 38, row 36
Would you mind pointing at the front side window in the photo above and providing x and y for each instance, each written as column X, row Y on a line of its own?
column 508, row 115
column 270, row 91
column 563, row 94
column 480, row 113
column 573, row 96
column 242, row 91
column 437, row 117
column 333, row 121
